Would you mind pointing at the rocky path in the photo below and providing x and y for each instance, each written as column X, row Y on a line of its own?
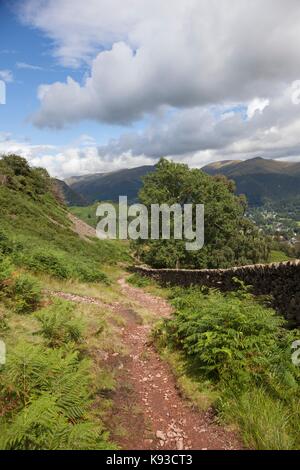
column 148, row 411
column 166, row 421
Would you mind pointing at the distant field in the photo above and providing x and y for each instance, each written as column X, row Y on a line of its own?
column 278, row 256
column 87, row 213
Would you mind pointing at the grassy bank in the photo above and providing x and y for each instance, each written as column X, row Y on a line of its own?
column 54, row 386
column 234, row 354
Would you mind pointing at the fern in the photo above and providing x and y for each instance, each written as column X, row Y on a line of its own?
column 41, row 425
column 51, row 392
column 59, row 324
column 25, row 293
column 34, row 369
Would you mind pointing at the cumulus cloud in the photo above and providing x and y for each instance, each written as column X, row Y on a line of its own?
column 271, row 130
column 70, row 160
column 153, row 54
column 215, row 80
column 257, row 105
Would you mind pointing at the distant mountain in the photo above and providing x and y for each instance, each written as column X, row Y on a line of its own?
column 260, row 179
column 68, row 195
column 109, row 186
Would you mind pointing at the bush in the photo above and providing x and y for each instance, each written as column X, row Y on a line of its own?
column 49, row 263
column 25, row 293
column 63, row 267
column 59, row 325
column 41, row 425
column 139, row 281
column 89, row 274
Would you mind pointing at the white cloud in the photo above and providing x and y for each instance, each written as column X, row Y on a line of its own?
column 66, row 161
column 255, row 105
column 24, row 65
column 177, row 53
column 218, row 133
column 213, row 79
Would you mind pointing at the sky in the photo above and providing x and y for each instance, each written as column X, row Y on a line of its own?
column 107, row 84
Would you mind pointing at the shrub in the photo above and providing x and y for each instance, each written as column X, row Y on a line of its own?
column 40, row 425
column 139, row 281
column 59, row 324
column 64, row 266
column 25, row 293
column 90, row 274
column 49, row 263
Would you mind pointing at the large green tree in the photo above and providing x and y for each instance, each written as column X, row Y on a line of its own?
column 230, row 238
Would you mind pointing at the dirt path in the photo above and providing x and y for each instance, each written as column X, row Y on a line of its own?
column 148, row 402
column 148, row 411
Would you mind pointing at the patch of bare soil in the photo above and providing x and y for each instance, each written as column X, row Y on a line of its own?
column 79, row 226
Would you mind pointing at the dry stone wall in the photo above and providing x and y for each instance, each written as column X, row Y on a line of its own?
column 281, row 280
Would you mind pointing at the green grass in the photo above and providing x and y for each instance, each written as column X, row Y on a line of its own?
column 277, row 256
column 39, row 236
column 87, row 213
column 53, row 385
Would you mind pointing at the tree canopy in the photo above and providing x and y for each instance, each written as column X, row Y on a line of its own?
column 230, row 238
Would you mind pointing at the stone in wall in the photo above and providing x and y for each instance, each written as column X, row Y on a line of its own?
column 280, row 280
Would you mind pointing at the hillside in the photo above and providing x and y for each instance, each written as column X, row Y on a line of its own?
column 36, row 228
column 68, row 195
column 260, row 179
column 109, row 186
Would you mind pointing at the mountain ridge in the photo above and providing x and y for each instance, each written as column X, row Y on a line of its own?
column 258, row 178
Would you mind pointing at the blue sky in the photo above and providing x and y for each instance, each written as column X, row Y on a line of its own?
column 24, row 45
column 106, row 84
